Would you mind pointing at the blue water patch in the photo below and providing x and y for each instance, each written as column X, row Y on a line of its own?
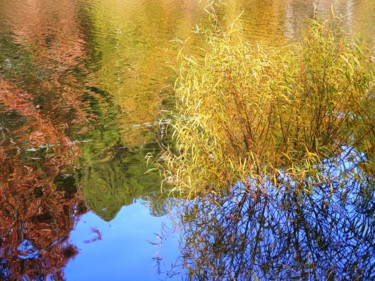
column 26, row 250
column 130, row 247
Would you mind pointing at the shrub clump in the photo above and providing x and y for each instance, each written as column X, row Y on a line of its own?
column 249, row 112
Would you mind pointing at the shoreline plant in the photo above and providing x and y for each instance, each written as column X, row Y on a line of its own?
column 250, row 114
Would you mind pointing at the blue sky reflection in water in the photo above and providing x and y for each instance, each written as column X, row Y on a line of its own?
column 82, row 85
column 130, row 247
column 280, row 234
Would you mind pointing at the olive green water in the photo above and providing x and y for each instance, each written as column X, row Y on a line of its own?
column 82, row 87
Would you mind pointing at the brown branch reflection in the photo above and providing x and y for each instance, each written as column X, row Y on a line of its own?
column 270, row 233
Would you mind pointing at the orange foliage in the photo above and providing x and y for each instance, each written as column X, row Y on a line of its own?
column 34, row 210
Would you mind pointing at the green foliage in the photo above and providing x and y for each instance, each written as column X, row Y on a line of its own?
column 251, row 112
column 118, row 177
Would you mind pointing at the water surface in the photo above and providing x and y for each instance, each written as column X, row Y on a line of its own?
column 82, row 87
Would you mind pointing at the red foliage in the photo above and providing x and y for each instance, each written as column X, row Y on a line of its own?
column 32, row 209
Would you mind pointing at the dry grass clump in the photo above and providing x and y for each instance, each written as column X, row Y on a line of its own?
column 249, row 112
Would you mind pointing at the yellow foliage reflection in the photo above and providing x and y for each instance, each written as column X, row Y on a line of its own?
column 131, row 40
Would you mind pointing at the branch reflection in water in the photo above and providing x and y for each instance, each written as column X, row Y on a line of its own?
column 283, row 233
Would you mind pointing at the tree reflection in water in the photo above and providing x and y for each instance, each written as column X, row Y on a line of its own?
column 278, row 233
column 39, row 200
column 43, row 51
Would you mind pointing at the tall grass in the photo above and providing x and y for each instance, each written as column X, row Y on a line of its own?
column 248, row 112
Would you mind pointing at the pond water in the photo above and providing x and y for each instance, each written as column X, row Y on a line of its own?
column 83, row 84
